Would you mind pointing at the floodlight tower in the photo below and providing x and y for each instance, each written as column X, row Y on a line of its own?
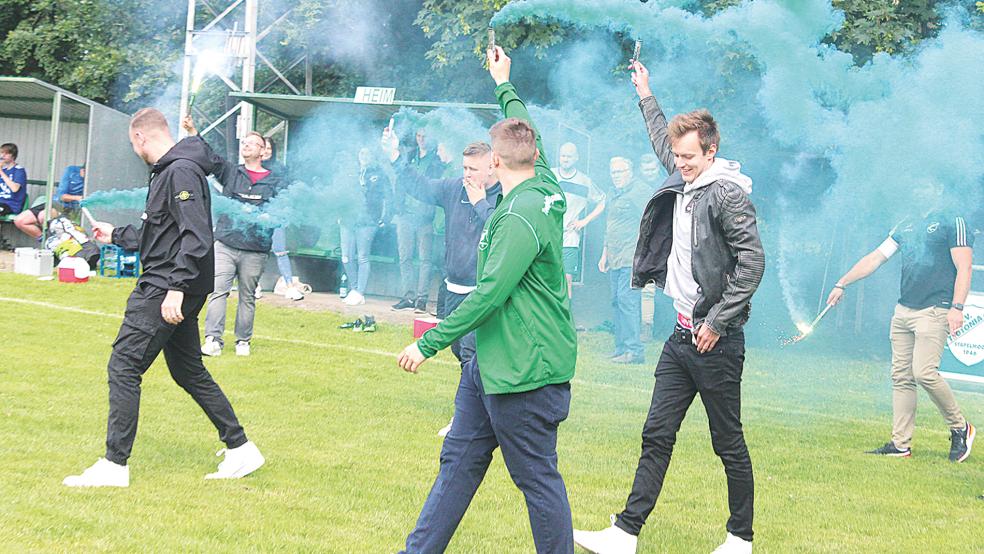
column 239, row 47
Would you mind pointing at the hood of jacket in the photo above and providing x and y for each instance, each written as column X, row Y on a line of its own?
column 188, row 148
column 721, row 170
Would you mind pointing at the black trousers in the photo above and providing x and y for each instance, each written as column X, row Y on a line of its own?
column 142, row 336
column 680, row 374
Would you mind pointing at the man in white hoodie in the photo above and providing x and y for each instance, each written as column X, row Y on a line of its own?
column 699, row 242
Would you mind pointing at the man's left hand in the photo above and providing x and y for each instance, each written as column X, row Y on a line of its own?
column 411, row 358
column 577, row 224
column 171, row 307
column 499, row 65
column 706, row 339
column 955, row 320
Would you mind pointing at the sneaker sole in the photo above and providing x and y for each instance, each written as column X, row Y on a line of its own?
column 240, row 472
column 971, row 433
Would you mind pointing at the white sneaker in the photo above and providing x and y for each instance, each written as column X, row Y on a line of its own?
column 211, row 347
column 609, row 541
column 354, row 298
column 446, row 429
column 242, row 348
column 734, row 545
column 291, row 293
column 238, row 462
column 103, row 473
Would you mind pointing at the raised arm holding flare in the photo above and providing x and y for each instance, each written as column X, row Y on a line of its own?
column 698, row 240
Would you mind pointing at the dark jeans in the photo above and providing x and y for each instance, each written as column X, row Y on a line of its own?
column 627, row 312
column 524, row 425
column 142, row 336
column 463, row 348
column 680, row 374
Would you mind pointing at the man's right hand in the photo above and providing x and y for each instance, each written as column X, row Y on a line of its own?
column 103, row 232
column 640, row 78
column 475, row 191
column 390, row 143
column 499, row 65
column 189, row 125
column 836, row 295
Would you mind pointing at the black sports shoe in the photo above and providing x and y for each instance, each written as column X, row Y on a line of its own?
column 890, row 450
column 351, row 324
column 420, row 306
column 369, row 326
column 961, row 441
column 405, row 304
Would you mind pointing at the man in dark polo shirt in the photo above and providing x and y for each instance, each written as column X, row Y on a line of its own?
column 625, row 209
column 936, row 253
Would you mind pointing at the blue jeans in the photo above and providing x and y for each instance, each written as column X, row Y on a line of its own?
column 356, row 243
column 413, row 236
column 525, row 426
column 627, row 305
column 279, row 248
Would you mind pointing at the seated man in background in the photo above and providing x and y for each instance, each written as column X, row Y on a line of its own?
column 68, row 197
column 13, row 181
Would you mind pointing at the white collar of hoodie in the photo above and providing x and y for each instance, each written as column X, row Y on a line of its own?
column 721, row 170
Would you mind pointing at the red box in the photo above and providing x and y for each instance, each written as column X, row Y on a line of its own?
column 67, row 275
column 422, row 324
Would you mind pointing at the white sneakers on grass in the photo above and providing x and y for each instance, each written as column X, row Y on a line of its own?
column 734, row 545
column 238, row 462
column 616, row 541
column 211, row 347
column 242, row 348
column 103, row 473
column 608, row 541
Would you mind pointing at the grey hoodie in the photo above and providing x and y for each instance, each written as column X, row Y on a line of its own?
column 680, row 283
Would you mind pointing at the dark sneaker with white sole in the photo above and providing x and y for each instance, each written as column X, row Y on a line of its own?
column 420, row 306
column 404, row 304
column 961, row 440
column 351, row 324
column 890, row 450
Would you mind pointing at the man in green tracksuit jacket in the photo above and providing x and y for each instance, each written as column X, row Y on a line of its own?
column 526, row 345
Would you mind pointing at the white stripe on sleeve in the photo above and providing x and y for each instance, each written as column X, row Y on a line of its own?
column 888, row 248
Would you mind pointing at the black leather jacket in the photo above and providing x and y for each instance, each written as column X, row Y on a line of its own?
column 728, row 260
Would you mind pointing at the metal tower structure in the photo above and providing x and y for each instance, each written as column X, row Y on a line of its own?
column 234, row 30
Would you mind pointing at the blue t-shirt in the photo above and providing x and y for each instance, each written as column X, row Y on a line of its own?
column 72, row 183
column 928, row 273
column 14, row 200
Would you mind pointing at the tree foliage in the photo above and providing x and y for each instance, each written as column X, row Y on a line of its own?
column 124, row 52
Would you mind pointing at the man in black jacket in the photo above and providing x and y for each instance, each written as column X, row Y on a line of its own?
column 698, row 241
column 241, row 249
column 175, row 245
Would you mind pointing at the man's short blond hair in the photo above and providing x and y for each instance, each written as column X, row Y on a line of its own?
column 697, row 120
column 476, row 149
column 514, row 140
column 149, row 119
column 256, row 134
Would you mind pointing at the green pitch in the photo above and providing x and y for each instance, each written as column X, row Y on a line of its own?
column 351, row 447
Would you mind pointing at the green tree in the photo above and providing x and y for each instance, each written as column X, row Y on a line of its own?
column 112, row 52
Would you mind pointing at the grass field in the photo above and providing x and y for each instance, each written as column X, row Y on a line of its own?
column 351, row 447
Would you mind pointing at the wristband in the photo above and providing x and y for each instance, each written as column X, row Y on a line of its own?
column 839, row 286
